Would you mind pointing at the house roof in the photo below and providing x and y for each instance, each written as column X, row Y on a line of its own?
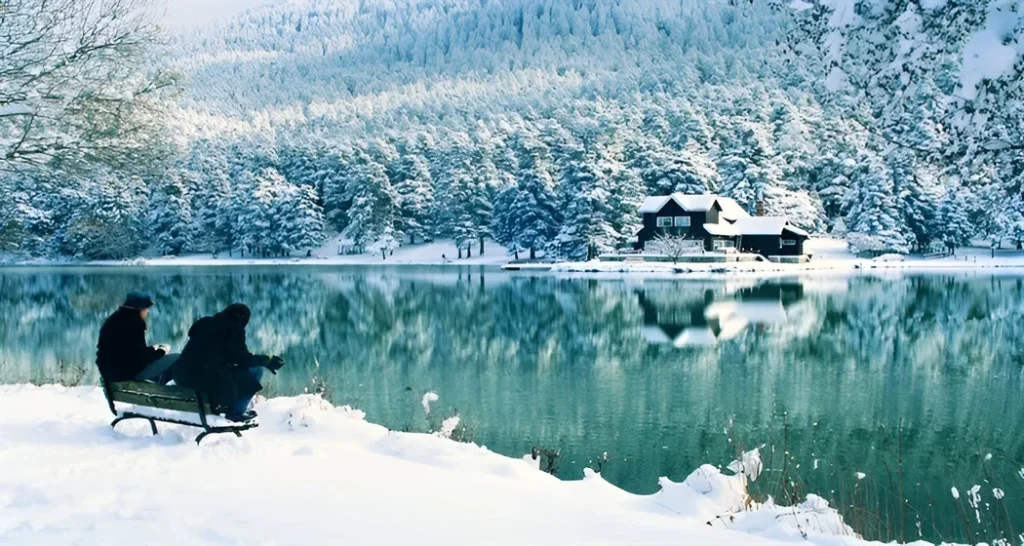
column 694, row 203
column 731, row 210
column 765, row 225
column 721, row 230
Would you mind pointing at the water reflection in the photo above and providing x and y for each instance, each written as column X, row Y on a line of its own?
column 680, row 316
column 846, row 375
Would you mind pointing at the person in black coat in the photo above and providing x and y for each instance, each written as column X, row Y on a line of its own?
column 217, row 362
column 122, row 353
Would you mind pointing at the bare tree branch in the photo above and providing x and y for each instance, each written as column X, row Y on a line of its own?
column 70, row 80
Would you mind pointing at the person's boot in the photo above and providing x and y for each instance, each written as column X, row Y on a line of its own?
column 241, row 417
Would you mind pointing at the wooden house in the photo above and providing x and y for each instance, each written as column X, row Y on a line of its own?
column 715, row 223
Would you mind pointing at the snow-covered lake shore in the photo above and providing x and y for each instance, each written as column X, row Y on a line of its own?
column 830, row 257
column 314, row 473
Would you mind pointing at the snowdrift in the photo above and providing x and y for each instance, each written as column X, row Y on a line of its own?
column 315, row 473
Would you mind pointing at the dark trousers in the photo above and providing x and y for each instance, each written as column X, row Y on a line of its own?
column 241, row 406
column 160, row 370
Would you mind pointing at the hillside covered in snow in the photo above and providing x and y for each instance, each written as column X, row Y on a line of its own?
column 542, row 124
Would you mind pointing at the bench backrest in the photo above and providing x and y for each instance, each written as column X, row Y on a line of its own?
column 142, row 393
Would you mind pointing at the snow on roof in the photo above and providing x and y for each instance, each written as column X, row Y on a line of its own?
column 694, row 203
column 732, row 210
column 722, row 230
column 654, row 204
column 765, row 225
column 798, row 231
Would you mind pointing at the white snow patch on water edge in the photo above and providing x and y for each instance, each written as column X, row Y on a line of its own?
column 315, row 473
column 427, row 399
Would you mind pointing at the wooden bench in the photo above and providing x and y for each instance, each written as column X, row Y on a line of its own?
column 167, row 397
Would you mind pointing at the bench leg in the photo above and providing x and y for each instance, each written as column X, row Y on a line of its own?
column 201, row 436
column 152, row 423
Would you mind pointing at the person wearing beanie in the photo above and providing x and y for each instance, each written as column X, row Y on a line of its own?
column 216, row 362
column 122, row 353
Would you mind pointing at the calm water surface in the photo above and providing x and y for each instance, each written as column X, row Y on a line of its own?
column 913, row 381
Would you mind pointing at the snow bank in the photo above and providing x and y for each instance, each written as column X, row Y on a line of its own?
column 434, row 253
column 829, row 256
column 317, row 474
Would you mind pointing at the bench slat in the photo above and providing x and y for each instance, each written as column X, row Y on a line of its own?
column 158, row 402
column 152, row 389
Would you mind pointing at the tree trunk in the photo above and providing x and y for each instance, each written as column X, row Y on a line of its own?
column 412, row 239
column 517, row 253
column 481, row 246
column 383, row 254
column 533, row 253
column 469, row 251
column 460, row 252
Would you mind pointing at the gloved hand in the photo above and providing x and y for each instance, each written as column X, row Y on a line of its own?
column 274, row 363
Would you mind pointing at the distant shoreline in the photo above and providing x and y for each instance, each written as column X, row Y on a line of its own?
column 829, row 256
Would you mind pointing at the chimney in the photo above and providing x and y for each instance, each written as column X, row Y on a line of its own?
column 760, row 207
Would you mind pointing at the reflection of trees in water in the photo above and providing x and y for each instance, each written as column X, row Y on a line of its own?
column 564, row 363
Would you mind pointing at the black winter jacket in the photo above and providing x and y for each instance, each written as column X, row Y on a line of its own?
column 215, row 361
column 122, row 351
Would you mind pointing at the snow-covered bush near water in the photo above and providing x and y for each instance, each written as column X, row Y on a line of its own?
column 315, row 473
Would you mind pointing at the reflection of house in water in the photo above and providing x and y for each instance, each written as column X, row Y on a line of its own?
column 685, row 317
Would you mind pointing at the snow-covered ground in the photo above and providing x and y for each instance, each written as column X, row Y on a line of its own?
column 441, row 252
column 829, row 255
column 316, row 474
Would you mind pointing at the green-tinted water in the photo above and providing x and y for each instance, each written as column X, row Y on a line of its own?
column 911, row 381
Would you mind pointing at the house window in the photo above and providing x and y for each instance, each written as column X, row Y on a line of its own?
column 682, row 221
column 788, row 242
column 724, row 244
column 664, row 221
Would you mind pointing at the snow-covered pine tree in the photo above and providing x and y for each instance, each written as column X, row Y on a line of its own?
column 486, row 181
column 583, row 193
column 415, row 188
column 534, row 210
column 954, row 224
column 302, row 218
column 170, row 223
column 666, row 170
column 251, row 209
column 503, row 223
column 748, row 172
column 873, row 223
column 374, row 208
column 915, row 189
column 109, row 220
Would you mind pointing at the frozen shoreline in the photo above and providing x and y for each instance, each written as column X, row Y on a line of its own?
column 314, row 473
column 830, row 256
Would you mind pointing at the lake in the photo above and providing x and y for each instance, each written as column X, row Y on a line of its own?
column 855, row 388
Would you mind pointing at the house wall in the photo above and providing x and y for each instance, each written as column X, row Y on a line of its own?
column 771, row 245
column 695, row 231
column 765, row 245
column 651, row 229
column 795, row 250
